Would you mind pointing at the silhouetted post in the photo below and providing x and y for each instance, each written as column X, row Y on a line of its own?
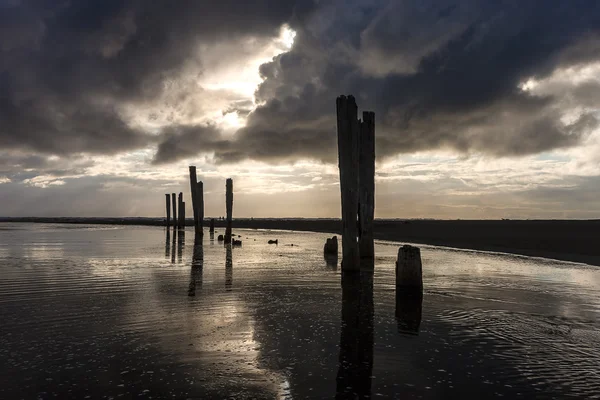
column 212, row 225
column 229, row 206
column 194, row 193
column 173, row 200
column 182, row 215
column 348, row 135
column 366, row 185
column 200, row 206
column 181, row 218
column 168, row 199
column 409, row 270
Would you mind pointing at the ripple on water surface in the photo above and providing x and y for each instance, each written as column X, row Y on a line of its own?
column 109, row 311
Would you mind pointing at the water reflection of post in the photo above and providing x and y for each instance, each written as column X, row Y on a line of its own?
column 167, row 243
column 228, row 267
column 331, row 260
column 180, row 244
column 356, row 337
column 212, row 238
column 197, row 266
column 409, row 306
column 173, row 245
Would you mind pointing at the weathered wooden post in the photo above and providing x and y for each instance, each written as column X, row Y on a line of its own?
column 168, row 199
column 366, row 185
column 181, row 218
column 409, row 270
column 199, row 207
column 229, row 207
column 212, row 225
column 193, row 191
column 182, row 223
column 348, row 135
column 173, row 200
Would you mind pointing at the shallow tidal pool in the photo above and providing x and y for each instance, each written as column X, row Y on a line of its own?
column 133, row 312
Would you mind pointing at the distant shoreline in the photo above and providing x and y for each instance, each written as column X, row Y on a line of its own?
column 567, row 240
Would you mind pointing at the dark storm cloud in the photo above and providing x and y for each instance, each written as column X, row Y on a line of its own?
column 178, row 142
column 66, row 65
column 438, row 74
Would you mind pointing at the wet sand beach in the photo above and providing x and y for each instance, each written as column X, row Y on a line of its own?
column 568, row 240
column 131, row 311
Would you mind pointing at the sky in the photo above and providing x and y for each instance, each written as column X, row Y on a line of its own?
column 483, row 109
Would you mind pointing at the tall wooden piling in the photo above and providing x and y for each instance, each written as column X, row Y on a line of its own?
column 181, row 222
column 366, row 185
column 168, row 200
column 199, row 207
column 194, row 195
column 212, row 225
column 348, row 142
column 229, row 207
column 174, row 201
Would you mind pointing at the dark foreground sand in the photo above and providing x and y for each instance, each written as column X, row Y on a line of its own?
column 568, row 240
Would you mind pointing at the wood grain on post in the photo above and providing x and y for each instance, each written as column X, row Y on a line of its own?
column 193, row 191
column 200, row 206
column 229, row 207
column 174, row 201
column 366, row 185
column 168, row 199
column 348, row 135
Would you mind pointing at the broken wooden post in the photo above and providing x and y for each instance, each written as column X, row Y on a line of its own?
column 229, row 207
column 180, row 216
column 193, row 191
column 168, row 199
column 212, row 225
column 409, row 270
column 199, row 207
column 348, row 135
column 182, row 224
column 173, row 200
column 366, row 185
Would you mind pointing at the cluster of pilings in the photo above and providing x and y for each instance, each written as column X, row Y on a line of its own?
column 178, row 221
column 197, row 195
column 356, row 152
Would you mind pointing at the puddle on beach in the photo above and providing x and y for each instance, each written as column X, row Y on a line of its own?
column 122, row 312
